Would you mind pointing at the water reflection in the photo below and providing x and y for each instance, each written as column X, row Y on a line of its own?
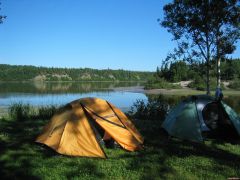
column 123, row 100
column 56, row 93
column 42, row 93
column 62, row 87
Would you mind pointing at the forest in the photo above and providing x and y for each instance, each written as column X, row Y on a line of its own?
column 33, row 73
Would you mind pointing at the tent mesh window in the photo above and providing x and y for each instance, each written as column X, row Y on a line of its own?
column 217, row 120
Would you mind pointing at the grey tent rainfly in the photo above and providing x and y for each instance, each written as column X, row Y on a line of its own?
column 201, row 115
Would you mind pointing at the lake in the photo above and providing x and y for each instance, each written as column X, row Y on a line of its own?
column 121, row 94
column 55, row 93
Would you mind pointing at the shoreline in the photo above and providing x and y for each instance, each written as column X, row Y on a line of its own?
column 175, row 92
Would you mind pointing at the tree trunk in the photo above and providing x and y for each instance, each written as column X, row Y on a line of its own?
column 218, row 73
column 208, row 78
column 208, row 62
column 218, row 62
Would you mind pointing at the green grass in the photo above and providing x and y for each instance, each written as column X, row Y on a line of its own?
column 20, row 112
column 160, row 83
column 162, row 158
column 188, row 92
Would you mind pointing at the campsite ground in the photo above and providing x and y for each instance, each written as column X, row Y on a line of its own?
column 162, row 158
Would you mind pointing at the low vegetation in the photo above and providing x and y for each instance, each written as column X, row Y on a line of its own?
column 160, row 83
column 22, row 112
column 199, row 84
column 235, row 84
column 162, row 158
column 154, row 109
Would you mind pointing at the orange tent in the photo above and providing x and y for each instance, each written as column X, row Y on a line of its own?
column 73, row 131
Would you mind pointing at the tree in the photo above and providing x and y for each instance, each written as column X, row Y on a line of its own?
column 205, row 30
column 2, row 17
column 179, row 71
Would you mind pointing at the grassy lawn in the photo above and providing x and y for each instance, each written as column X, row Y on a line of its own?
column 21, row 158
column 188, row 91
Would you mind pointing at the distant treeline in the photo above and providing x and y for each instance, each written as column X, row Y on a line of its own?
column 33, row 73
column 182, row 71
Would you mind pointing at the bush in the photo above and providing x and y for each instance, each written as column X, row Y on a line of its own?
column 235, row 84
column 160, row 83
column 199, row 84
column 19, row 111
column 154, row 109
column 46, row 112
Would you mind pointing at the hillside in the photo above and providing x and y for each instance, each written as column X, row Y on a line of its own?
column 33, row 73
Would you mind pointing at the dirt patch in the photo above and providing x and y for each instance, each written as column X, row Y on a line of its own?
column 226, row 84
column 183, row 84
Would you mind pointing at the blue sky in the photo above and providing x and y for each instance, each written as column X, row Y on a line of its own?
column 115, row 34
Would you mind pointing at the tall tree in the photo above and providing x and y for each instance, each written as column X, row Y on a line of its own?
column 205, row 30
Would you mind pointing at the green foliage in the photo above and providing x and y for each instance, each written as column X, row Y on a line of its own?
column 154, row 109
column 160, row 83
column 177, row 71
column 205, row 31
column 181, row 71
column 235, row 84
column 46, row 112
column 19, row 111
column 203, row 28
column 23, row 112
column 199, row 83
column 33, row 73
column 230, row 69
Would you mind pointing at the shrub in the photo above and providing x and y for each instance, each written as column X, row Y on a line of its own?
column 200, row 84
column 160, row 83
column 235, row 84
column 46, row 112
column 154, row 109
column 19, row 111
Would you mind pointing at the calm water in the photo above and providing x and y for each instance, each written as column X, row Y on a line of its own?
column 38, row 94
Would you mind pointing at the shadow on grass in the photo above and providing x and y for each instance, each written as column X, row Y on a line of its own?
column 15, row 158
column 22, row 158
column 84, row 170
column 18, row 154
column 151, row 161
column 159, row 150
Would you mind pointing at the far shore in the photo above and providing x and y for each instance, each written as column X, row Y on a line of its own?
column 177, row 92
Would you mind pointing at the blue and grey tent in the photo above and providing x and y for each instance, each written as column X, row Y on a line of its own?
column 198, row 115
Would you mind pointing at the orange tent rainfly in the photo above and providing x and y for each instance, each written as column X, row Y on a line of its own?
column 76, row 129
